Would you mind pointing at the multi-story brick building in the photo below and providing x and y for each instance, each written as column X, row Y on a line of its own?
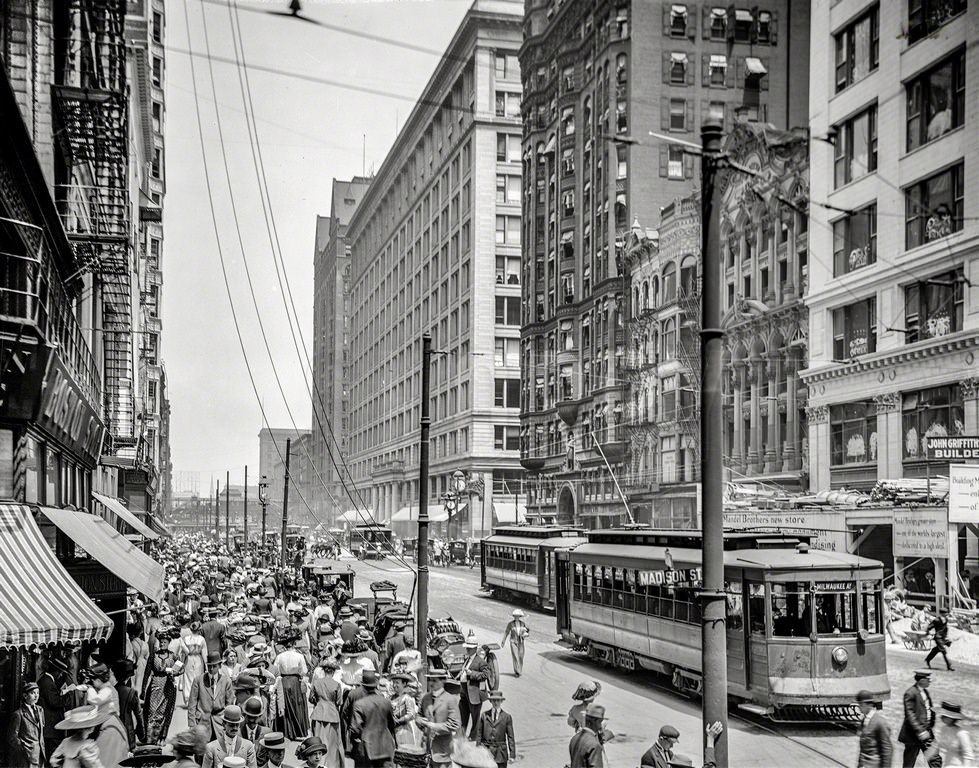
column 331, row 349
column 598, row 77
column 894, row 280
column 435, row 246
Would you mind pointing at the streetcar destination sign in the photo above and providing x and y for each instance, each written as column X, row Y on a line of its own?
column 674, row 576
column 959, row 448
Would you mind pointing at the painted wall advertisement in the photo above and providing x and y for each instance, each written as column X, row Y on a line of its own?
column 827, row 528
column 920, row 532
column 963, row 493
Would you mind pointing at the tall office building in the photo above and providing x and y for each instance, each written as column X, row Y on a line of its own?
column 894, row 279
column 331, row 350
column 435, row 247
column 597, row 78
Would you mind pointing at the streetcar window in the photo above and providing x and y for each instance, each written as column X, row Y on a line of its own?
column 870, row 597
column 577, row 582
column 791, row 609
column 735, row 609
column 836, row 612
column 756, row 607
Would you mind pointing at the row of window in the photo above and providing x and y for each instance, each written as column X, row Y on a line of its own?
column 738, row 25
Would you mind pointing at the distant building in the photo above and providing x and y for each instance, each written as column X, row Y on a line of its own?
column 272, row 449
column 302, row 482
column 435, row 247
column 597, row 77
column 331, row 350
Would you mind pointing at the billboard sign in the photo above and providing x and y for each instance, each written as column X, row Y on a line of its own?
column 920, row 532
column 963, row 493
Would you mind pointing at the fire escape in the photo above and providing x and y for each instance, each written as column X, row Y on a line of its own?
column 640, row 368
column 90, row 95
column 688, row 353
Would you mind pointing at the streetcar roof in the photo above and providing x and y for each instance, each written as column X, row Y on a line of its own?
column 536, row 531
column 517, row 541
column 642, row 556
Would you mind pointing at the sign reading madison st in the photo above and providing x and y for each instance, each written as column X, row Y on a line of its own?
column 959, row 448
column 66, row 414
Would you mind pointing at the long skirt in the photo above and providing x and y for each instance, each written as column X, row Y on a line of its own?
column 329, row 734
column 159, row 699
column 113, row 742
column 193, row 668
column 517, row 652
column 295, row 720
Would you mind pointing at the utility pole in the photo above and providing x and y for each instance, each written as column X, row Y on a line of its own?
column 217, row 508
column 285, row 504
column 263, row 496
column 246, row 512
column 713, row 603
column 227, row 510
column 421, row 622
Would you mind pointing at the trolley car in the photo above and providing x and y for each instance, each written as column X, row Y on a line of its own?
column 370, row 541
column 804, row 627
column 517, row 561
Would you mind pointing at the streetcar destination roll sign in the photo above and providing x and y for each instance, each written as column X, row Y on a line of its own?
column 959, row 448
column 671, row 577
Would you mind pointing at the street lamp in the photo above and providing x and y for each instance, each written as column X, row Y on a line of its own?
column 263, row 496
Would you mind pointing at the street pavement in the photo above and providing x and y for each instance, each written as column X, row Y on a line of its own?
column 637, row 703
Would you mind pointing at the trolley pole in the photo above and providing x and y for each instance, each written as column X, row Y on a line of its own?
column 711, row 441
column 245, row 553
column 285, row 505
column 421, row 619
column 227, row 511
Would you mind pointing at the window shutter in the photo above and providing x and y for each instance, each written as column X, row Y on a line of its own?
column 773, row 28
column 740, row 74
column 666, row 19
column 688, row 120
column 729, row 73
column 705, row 69
column 704, row 110
column 692, row 25
column 705, row 22
column 754, row 25
column 664, row 160
column 689, row 69
column 687, row 166
column 666, row 67
column 664, row 113
column 767, row 77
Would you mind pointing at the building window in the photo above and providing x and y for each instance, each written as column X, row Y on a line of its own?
column 508, row 310
column 500, row 61
column 744, row 23
column 936, row 101
column 508, row 230
column 857, row 49
column 855, row 329
column 718, row 24
column 507, row 393
column 675, row 162
column 855, row 241
column 669, row 339
column 853, row 433
column 925, row 16
column 934, row 206
column 855, row 150
column 157, row 27
column 678, row 68
column 678, row 20
column 667, row 452
column 508, row 270
column 507, row 148
column 156, row 167
column 508, row 189
column 928, row 413
column 506, row 438
column 934, row 307
column 157, row 71
column 157, row 117
column 717, row 69
column 506, row 353
column 507, row 104
column 678, row 113
column 764, row 27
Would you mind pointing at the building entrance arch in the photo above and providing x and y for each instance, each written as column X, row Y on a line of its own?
column 566, row 506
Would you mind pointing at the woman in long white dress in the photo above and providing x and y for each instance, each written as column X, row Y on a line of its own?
column 193, row 649
column 112, row 740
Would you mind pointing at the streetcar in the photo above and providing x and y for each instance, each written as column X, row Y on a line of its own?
column 517, row 561
column 370, row 541
column 804, row 626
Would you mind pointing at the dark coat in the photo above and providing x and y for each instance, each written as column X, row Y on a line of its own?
column 207, row 697
column 131, row 715
column 372, row 728
column 392, row 647
column 215, row 635
column 443, row 713
column 261, row 753
column 876, row 749
column 586, row 750
column 655, row 758
column 477, row 672
column 498, row 736
column 916, row 717
column 25, row 735
column 53, row 704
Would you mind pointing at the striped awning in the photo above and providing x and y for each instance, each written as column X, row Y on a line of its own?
column 117, row 508
column 39, row 602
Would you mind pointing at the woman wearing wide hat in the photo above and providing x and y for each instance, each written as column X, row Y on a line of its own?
column 954, row 743
column 405, row 710
column 159, row 689
column 586, row 693
column 112, row 739
column 78, row 748
column 311, row 751
column 292, row 671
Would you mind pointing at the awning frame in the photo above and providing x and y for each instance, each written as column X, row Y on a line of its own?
column 119, row 509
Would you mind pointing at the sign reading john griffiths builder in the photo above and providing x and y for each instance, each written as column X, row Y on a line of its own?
column 959, row 448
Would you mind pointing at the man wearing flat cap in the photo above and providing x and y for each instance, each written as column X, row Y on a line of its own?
column 25, row 731
column 918, row 729
column 660, row 754
column 209, row 694
column 875, row 737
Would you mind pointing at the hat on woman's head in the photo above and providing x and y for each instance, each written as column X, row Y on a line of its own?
column 79, row 718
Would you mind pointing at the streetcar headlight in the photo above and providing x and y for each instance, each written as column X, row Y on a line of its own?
column 840, row 655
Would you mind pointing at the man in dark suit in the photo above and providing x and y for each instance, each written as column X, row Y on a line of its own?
column 495, row 731
column 394, row 645
column 586, row 745
column 939, row 626
column 372, row 727
column 130, row 711
column 209, row 695
column 875, row 737
column 917, row 731
column 25, row 731
column 475, row 675
column 214, row 633
column 52, row 701
column 252, row 729
column 660, row 754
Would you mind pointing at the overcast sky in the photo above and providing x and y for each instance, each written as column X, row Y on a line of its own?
column 310, row 133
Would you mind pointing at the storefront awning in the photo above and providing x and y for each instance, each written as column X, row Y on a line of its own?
column 436, row 514
column 116, row 507
column 111, row 548
column 39, row 602
column 754, row 66
column 508, row 512
column 159, row 526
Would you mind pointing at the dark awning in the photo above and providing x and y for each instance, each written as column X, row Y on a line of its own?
column 117, row 508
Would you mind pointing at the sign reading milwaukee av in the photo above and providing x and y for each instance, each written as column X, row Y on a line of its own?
column 66, row 414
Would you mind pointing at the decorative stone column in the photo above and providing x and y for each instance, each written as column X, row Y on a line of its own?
column 737, row 452
column 756, row 369
column 773, row 445
column 790, row 454
column 817, row 417
column 890, row 448
column 970, row 402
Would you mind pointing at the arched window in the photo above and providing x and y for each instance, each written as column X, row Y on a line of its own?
column 645, row 295
column 669, row 339
column 655, row 292
column 669, row 282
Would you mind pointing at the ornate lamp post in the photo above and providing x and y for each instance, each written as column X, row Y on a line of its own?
column 263, row 496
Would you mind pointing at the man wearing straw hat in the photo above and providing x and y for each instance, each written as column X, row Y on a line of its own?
column 229, row 740
column 516, row 631
column 875, row 737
